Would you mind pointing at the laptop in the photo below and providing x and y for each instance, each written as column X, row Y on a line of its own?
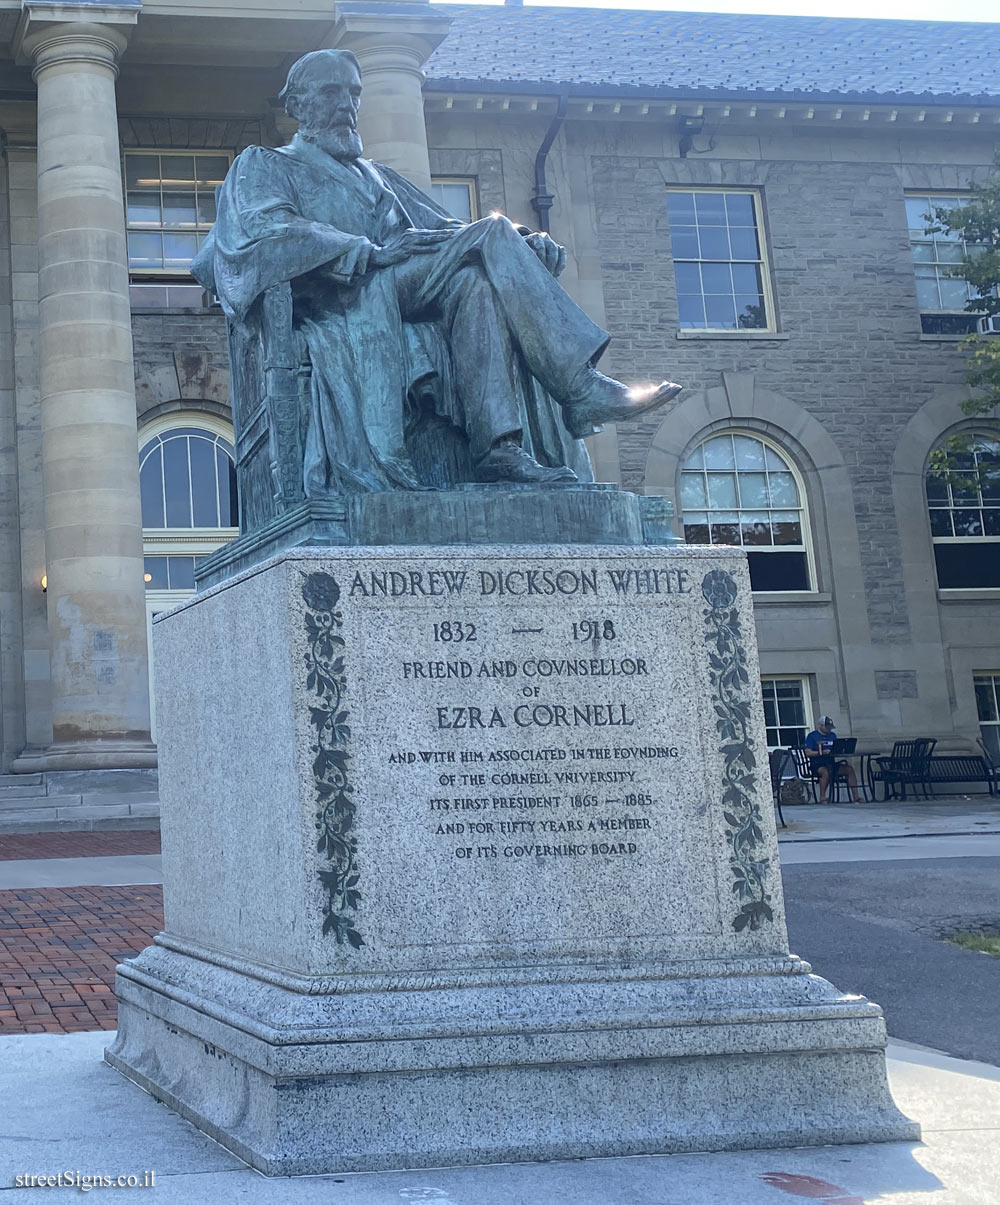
column 844, row 747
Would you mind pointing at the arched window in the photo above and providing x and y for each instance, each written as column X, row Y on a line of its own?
column 738, row 488
column 187, row 483
column 963, row 500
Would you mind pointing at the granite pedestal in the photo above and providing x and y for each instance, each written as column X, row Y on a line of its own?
column 469, row 856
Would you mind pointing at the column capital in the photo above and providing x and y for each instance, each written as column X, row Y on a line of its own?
column 51, row 33
column 386, row 34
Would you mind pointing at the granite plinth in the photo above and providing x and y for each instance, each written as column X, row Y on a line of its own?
column 469, row 856
column 468, row 515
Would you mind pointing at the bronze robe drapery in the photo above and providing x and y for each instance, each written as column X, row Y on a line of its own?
column 297, row 214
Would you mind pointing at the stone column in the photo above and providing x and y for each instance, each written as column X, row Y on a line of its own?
column 93, row 530
column 392, row 42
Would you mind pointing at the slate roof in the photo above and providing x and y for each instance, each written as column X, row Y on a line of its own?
column 724, row 55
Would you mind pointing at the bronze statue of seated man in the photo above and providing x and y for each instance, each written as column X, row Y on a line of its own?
column 393, row 300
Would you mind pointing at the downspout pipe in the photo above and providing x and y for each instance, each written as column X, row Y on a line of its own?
column 542, row 200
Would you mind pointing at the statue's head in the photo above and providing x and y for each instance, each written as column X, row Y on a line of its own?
column 323, row 93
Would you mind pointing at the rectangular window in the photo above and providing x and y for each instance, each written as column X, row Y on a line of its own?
column 457, row 195
column 786, row 712
column 987, row 696
column 719, row 263
column 169, row 208
column 941, row 297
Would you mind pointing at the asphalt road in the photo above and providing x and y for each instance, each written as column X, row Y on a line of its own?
column 874, row 928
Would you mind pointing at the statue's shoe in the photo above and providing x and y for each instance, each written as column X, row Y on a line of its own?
column 602, row 399
column 511, row 463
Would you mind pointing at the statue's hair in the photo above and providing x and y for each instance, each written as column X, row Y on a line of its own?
column 295, row 84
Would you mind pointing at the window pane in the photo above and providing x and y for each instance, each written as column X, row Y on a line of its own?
column 725, row 528
column 739, row 209
column 991, row 522
column 749, row 453
column 180, row 571
column 783, row 489
column 954, row 293
column 753, row 490
column 918, row 210
column 156, row 569
column 179, row 250
column 204, row 491
column 755, row 527
column 227, row 490
column 696, row 530
column 986, row 703
column 750, row 313
column 179, row 209
column 713, row 242
column 746, row 279
column 719, row 453
column 178, row 482
column 717, row 278
column 786, row 527
column 151, row 490
column 178, row 171
column 720, row 313
column 941, row 523
column 684, row 242
column 744, row 243
column 690, row 311
column 680, row 207
column 142, row 171
column 697, row 458
column 710, row 208
column 211, row 171
column 693, row 492
column 968, row 523
column 722, row 491
column 688, row 277
column 927, row 290
column 144, row 209
column 778, row 571
column 206, row 208
column 145, row 250
column 968, row 565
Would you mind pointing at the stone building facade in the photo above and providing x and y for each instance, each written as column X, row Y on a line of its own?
column 742, row 201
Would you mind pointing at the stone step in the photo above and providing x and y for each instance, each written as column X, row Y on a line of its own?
column 21, row 802
column 75, row 813
column 20, row 790
column 76, row 824
column 18, row 781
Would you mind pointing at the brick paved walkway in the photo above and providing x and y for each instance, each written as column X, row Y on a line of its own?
column 58, row 950
column 15, row 847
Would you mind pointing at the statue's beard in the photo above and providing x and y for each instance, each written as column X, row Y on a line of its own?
column 340, row 141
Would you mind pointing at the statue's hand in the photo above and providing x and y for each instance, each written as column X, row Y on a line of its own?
column 407, row 244
column 548, row 251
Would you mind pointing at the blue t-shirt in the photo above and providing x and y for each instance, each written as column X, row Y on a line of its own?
column 821, row 742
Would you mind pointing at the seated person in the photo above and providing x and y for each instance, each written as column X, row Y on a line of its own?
column 819, row 744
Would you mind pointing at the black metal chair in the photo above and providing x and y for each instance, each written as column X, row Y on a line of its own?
column 906, row 765
column 804, row 771
column 777, row 758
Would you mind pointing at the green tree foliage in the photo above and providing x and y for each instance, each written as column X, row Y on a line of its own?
column 978, row 224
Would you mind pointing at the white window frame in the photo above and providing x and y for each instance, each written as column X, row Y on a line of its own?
column 940, row 199
column 178, row 541
column 989, row 678
column 468, row 182
column 804, row 686
column 163, row 275
column 972, row 433
column 765, row 268
column 807, row 544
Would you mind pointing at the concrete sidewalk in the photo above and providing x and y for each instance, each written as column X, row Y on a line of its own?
column 67, row 1110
